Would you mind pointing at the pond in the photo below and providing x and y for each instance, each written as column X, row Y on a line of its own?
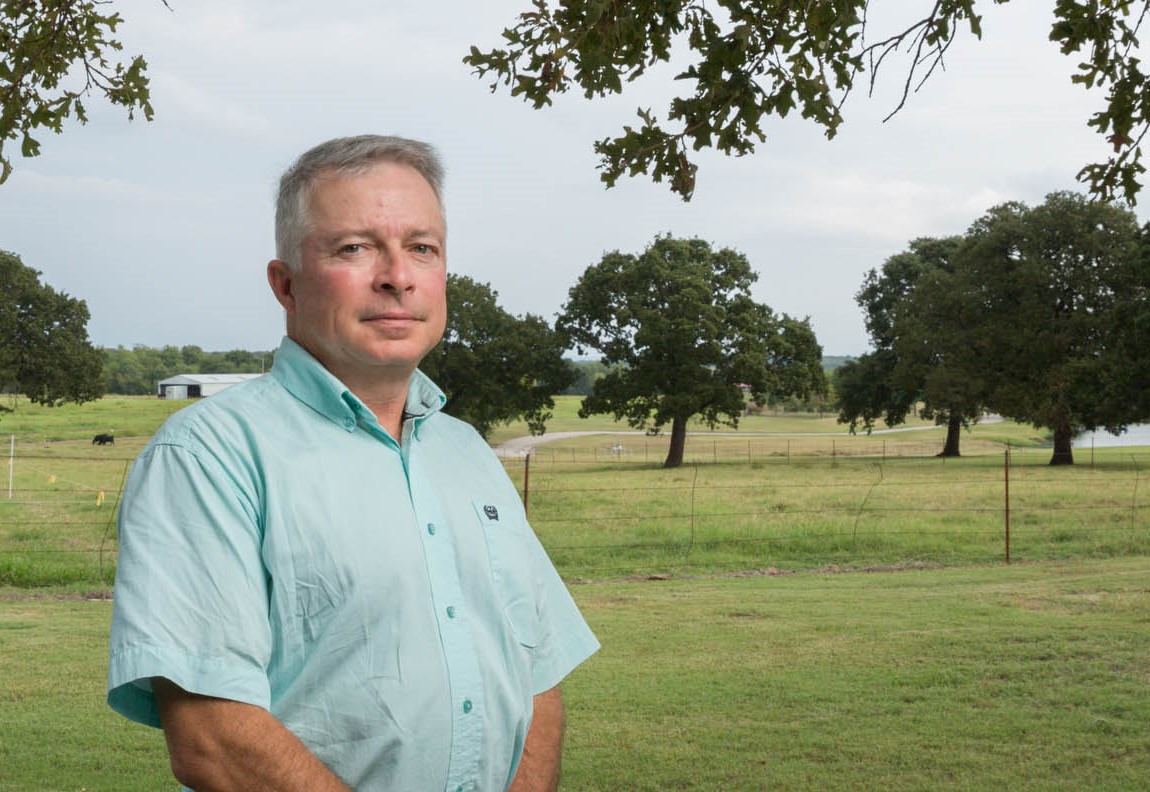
column 1135, row 435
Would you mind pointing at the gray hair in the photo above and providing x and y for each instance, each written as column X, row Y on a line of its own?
column 347, row 156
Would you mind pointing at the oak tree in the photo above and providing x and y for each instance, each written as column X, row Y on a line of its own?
column 54, row 54
column 495, row 367
column 682, row 337
column 747, row 60
column 45, row 353
column 1052, row 300
column 915, row 325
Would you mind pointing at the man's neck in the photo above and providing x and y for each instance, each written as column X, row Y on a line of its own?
column 382, row 389
column 387, row 410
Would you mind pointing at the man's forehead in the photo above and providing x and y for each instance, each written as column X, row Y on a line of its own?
column 370, row 170
column 329, row 181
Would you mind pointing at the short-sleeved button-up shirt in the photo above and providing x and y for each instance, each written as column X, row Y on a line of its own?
column 387, row 602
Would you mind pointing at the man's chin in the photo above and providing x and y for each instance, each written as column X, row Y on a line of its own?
column 396, row 355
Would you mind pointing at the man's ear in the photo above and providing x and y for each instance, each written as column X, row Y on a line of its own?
column 282, row 281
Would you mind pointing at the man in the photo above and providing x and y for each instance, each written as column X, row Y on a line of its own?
column 324, row 582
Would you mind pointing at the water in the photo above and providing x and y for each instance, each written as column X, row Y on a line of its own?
column 1135, row 435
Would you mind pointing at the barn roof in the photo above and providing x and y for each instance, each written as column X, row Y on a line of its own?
column 207, row 379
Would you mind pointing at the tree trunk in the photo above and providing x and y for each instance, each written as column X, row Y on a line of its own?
column 953, row 435
column 1063, row 455
column 678, row 443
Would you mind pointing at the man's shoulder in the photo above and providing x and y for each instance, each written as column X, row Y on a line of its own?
column 459, row 445
column 250, row 403
column 457, row 432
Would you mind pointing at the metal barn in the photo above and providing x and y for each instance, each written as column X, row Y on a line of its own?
column 195, row 386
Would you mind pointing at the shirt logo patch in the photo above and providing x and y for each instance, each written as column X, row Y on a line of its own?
column 491, row 512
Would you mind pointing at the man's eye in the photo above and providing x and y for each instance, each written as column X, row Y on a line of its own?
column 351, row 249
column 423, row 250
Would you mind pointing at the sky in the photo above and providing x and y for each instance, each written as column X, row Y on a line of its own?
column 164, row 228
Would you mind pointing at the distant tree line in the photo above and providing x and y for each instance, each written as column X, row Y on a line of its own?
column 1038, row 314
column 137, row 371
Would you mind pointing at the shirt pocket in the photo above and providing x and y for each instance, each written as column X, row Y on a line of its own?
column 509, row 544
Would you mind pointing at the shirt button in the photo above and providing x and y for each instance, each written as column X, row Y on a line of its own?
column 431, row 529
column 348, row 423
column 466, row 706
column 451, row 611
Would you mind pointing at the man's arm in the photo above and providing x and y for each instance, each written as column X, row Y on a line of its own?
column 539, row 767
column 217, row 744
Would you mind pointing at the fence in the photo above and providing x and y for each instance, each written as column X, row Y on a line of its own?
column 57, row 515
column 738, row 505
column 599, row 513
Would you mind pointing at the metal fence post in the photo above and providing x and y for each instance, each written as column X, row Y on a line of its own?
column 1006, row 510
column 526, row 480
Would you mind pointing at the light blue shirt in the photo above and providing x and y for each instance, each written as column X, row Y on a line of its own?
column 387, row 603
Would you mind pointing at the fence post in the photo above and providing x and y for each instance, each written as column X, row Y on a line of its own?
column 694, row 490
column 11, row 463
column 526, row 480
column 1006, row 511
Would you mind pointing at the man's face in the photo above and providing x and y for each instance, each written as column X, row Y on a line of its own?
column 369, row 299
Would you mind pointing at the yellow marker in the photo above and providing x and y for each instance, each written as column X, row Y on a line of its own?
column 100, row 498
column 52, row 479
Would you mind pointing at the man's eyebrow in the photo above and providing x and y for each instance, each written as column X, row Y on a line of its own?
column 341, row 233
column 425, row 233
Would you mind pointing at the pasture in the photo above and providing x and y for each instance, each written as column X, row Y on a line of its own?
column 1029, row 677
column 789, row 492
column 795, row 608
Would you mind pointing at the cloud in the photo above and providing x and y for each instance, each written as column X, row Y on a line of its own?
column 180, row 102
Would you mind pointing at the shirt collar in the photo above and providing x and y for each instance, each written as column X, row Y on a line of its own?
column 305, row 378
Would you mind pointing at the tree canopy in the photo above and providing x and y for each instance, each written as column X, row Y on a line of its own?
column 1038, row 314
column 493, row 366
column 44, row 349
column 905, row 304
column 682, row 337
column 1044, row 294
column 748, row 60
column 47, row 45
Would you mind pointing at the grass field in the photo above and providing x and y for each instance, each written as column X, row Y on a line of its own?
column 793, row 609
column 615, row 519
column 1028, row 677
column 787, row 491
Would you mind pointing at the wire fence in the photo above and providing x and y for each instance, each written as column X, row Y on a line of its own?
column 737, row 505
column 57, row 518
column 604, row 515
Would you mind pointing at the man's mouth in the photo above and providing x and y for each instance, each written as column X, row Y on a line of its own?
column 391, row 316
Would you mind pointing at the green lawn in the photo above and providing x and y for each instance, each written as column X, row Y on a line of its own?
column 605, row 507
column 740, row 650
column 122, row 416
column 1027, row 677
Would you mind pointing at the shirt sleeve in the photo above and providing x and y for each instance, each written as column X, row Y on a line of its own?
column 566, row 640
column 191, row 594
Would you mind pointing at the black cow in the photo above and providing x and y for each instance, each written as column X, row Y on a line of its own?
column 103, row 439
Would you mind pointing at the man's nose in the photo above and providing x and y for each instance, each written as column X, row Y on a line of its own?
column 392, row 271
